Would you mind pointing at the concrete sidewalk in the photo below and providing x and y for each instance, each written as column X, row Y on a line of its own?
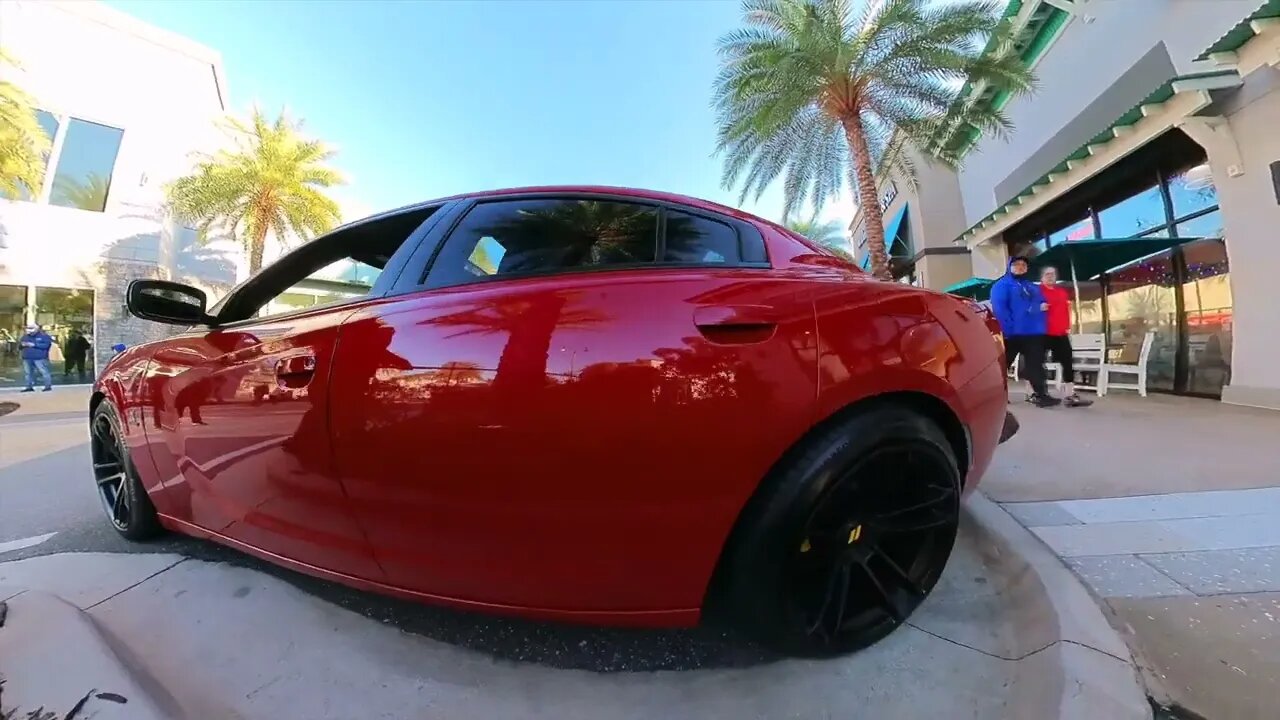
column 1169, row 509
column 1004, row 636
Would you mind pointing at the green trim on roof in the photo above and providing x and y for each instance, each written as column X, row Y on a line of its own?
column 1161, row 94
column 1038, row 35
column 1241, row 33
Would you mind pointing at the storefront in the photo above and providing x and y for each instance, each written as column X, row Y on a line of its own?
column 1144, row 243
column 66, row 314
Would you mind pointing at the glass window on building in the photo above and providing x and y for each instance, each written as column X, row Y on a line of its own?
column 13, row 318
column 1206, row 297
column 85, row 164
column 1141, row 298
column 1192, row 190
column 1081, row 229
column 66, row 314
column 48, row 122
column 1134, row 215
column 1208, row 225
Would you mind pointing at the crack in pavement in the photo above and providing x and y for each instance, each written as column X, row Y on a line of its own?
column 1024, row 656
column 125, row 590
column 980, row 650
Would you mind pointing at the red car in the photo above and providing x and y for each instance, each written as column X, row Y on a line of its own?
column 571, row 403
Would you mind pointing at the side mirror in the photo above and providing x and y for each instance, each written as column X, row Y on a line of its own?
column 167, row 302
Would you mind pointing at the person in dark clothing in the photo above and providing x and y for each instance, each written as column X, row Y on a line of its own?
column 35, row 357
column 1020, row 307
column 75, row 351
column 1057, row 337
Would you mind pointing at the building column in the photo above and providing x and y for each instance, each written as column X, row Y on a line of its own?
column 1241, row 145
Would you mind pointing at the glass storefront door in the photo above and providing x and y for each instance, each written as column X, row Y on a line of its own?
column 13, row 317
column 66, row 314
column 1206, row 293
column 1141, row 298
column 1184, row 296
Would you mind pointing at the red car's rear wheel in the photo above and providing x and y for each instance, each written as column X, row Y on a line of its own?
column 123, row 498
column 847, row 538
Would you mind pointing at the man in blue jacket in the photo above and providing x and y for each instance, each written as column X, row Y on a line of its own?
column 1020, row 307
column 35, row 357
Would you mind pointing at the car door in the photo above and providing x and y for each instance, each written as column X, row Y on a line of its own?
column 559, row 413
column 243, row 409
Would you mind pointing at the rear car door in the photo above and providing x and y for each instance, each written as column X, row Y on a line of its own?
column 547, row 422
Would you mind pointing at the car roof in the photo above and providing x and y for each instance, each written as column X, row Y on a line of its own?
column 676, row 198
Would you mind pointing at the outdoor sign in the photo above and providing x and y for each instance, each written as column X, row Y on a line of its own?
column 888, row 196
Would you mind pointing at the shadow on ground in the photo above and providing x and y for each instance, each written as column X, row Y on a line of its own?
column 555, row 645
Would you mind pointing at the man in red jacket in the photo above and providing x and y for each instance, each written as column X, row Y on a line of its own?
column 1057, row 340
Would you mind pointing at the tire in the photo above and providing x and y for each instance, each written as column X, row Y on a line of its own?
column 124, row 500
column 847, row 535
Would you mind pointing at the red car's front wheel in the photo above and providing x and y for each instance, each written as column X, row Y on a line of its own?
column 123, row 498
column 846, row 539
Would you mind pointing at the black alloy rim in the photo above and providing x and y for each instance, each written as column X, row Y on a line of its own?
column 874, row 545
column 110, row 472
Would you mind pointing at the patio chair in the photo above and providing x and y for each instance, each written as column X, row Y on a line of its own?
column 1107, row 369
column 1088, row 352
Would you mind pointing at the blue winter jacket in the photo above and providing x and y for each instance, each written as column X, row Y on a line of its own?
column 1016, row 302
column 41, row 349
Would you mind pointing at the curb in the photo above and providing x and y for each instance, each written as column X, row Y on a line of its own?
column 52, row 655
column 1086, row 669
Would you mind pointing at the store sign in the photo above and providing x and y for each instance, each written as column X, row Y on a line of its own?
column 887, row 198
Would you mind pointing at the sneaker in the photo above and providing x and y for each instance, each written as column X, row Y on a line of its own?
column 48, row 389
column 29, row 390
column 1044, row 401
column 1076, row 401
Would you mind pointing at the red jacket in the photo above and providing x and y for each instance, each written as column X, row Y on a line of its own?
column 1058, row 319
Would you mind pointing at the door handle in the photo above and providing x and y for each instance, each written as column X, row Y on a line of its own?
column 736, row 324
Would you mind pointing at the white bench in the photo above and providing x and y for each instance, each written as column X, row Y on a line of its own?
column 1139, row 369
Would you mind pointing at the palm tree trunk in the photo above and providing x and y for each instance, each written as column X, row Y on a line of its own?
column 257, row 245
column 868, row 199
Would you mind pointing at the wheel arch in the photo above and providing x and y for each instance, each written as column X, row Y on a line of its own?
column 930, row 406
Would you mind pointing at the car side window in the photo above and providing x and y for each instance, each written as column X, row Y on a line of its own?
column 546, row 235
column 691, row 239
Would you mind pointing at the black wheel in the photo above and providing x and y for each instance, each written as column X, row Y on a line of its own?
column 123, row 498
column 847, row 536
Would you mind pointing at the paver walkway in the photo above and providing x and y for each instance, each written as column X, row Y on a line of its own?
column 1193, row 577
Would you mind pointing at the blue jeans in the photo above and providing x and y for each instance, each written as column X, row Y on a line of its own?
column 31, row 367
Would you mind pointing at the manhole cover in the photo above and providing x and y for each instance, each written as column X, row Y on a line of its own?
column 7, row 407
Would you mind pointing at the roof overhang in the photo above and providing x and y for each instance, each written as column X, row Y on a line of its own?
column 1163, row 109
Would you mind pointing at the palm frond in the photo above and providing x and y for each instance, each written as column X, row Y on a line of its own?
column 817, row 95
column 270, row 181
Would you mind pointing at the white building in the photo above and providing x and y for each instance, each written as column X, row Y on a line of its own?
column 126, row 104
column 1150, row 158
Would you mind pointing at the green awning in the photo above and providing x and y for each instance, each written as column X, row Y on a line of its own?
column 975, row 288
column 1091, row 258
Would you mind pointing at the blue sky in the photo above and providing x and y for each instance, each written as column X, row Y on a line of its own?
column 425, row 99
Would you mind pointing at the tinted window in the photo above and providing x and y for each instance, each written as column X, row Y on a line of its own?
column 85, row 163
column 1192, row 190
column 544, row 236
column 1132, row 216
column 693, row 239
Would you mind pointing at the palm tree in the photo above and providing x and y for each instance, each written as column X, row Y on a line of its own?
column 809, row 91
column 271, row 181
column 24, row 145
column 828, row 234
column 91, row 194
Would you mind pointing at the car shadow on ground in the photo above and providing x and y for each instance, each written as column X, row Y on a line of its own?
column 558, row 645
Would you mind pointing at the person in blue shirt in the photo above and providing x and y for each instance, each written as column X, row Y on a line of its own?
column 35, row 346
column 1020, row 307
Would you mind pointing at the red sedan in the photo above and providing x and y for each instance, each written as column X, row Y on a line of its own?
column 571, row 403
